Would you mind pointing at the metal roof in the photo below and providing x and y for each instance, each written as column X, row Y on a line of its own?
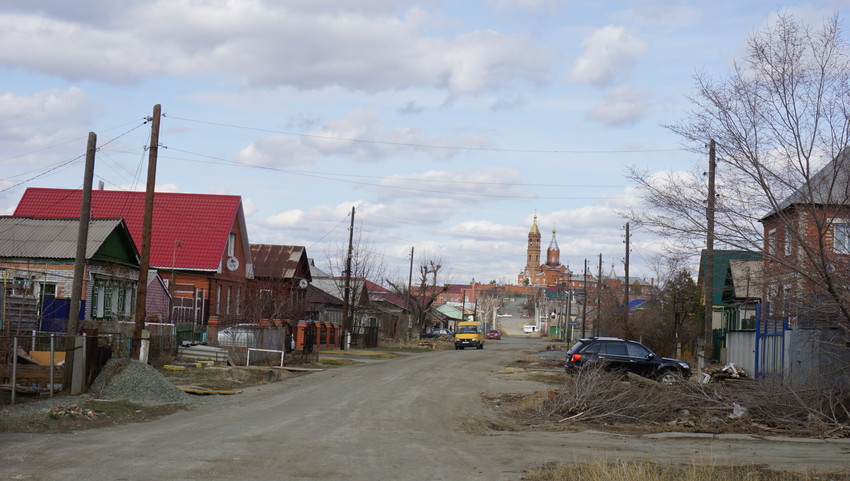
column 278, row 261
column 189, row 231
column 829, row 186
column 33, row 238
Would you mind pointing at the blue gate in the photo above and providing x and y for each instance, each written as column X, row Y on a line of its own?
column 770, row 343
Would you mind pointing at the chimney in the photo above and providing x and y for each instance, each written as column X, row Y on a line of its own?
column 100, row 185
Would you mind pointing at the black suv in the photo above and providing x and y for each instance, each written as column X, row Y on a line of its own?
column 622, row 355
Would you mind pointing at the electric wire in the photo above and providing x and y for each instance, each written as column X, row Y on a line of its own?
column 425, row 146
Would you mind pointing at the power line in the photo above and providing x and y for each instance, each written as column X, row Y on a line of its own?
column 325, row 176
column 424, row 146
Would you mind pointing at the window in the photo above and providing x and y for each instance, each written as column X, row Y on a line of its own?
column 231, row 244
column 841, row 236
column 218, row 300
column 636, row 350
column 129, row 301
column 614, row 348
column 227, row 306
column 771, row 242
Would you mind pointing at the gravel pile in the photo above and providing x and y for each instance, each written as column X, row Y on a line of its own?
column 136, row 382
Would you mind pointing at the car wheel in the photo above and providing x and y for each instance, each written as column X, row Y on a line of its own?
column 480, row 346
column 669, row 377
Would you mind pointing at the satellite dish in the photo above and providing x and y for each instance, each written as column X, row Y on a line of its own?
column 232, row 263
column 302, row 283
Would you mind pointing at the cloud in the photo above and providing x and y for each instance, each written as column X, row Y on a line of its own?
column 623, row 106
column 50, row 118
column 472, row 187
column 608, row 54
column 361, row 136
column 366, row 46
column 482, row 229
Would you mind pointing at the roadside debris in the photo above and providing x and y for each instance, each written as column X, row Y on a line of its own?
column 727, row 372
column 73, row 410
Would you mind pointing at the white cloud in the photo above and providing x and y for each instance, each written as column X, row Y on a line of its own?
column 361, row 136
column 623, row 106
column 369, row 47
column 472, row 187
column 608, row 54
column 482, row 229
column 50, row 118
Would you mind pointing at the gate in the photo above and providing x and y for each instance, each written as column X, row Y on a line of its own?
column 770, row 343
column 309, row 337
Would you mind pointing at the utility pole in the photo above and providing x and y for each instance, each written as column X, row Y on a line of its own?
column 79, row 262
column 410, row 292
column 709, row 254
column 584, row 304
column 144, row 262
column 596, row 325
column 626, row 303
column 346, row 301
column 82, row 238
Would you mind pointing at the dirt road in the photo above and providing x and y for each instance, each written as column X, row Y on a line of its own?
column 394, row 419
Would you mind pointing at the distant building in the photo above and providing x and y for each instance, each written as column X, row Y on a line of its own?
column 552, row 272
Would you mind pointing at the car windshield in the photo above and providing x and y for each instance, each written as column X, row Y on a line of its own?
column 467, row 329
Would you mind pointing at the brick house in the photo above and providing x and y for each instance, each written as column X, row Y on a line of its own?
column 807, row 247
column 199, row 244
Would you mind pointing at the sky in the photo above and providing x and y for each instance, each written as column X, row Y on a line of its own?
column 447, row 125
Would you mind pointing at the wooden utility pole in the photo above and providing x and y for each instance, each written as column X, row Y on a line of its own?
column 626, row 300
column 346, row 301
column 596, row 325
column 79, row 262
column 147, row 227
column 409, row 292
column 709, row 254
column 82, row 238
column 584, row 304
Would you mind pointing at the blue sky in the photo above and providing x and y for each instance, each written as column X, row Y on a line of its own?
column 447, row 124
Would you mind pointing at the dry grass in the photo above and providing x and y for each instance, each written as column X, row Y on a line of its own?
column 646, row 471
column 225, row 378
column 105, row 413
column 595, row 397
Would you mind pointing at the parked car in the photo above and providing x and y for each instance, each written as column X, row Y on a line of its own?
column 244, row 335
column 440, row 331
column 627, row 356
column 494, row 334
column 525, row 316
column 504, row 315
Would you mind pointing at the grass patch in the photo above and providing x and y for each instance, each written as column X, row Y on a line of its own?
column 87, row 415
column 224, row 378
column 365, row 353
column 336, row 362
column 646, row 471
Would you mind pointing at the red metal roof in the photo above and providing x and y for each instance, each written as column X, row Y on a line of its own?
column 190, row 231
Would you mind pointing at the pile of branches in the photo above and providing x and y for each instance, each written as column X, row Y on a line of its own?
column 593, row 395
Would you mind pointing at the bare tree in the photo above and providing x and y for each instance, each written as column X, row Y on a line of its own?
column 366, row 264
column 422, row 296
column 778, row 117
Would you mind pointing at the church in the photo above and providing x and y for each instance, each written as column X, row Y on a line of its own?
column 536, row 274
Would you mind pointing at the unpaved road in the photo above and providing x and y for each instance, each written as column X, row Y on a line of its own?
column 395, row 419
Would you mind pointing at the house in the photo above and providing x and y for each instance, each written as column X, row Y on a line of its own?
column 807, row 247
column 278, row 291
column 742, row 290
column 37, row 257
column 199, row 244
column 389, row 309
column 800, row 334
